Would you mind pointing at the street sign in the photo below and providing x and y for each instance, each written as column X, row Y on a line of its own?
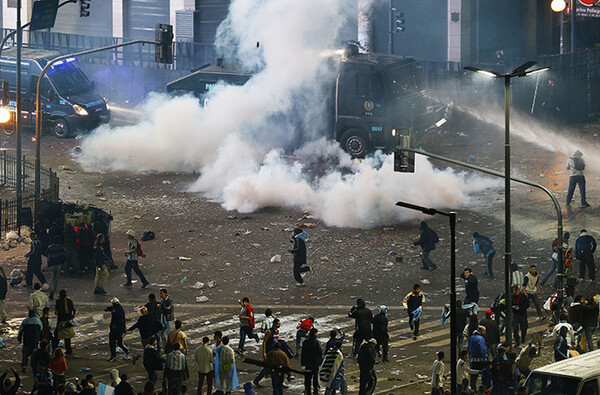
column 43, row 15
column 588, row 8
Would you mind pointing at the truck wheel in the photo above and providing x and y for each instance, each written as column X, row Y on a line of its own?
column 355, row 143
column 61, row 128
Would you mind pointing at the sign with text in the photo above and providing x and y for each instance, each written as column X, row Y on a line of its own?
column 588, row 8
column 43, row 14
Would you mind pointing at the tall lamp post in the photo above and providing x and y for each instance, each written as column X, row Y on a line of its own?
column 454, row 347
column 520, row 71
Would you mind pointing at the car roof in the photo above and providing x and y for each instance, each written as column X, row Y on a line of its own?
column 582, row 366
column 31, row 53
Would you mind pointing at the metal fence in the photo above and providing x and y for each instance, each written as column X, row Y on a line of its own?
column 9, row 210
column 186, row 55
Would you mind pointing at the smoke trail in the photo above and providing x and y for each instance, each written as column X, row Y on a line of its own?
column 236, row 143
column 533, row 131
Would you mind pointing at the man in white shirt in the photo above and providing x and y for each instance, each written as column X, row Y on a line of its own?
column 437, row 375
column 464, row 372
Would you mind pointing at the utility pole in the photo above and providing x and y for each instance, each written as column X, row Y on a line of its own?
column 392, row 27
column 18, row 119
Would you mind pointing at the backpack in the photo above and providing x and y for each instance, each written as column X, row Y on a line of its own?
column 434, row 236
column 485, row 244
column 138, row 249
column 578, row 163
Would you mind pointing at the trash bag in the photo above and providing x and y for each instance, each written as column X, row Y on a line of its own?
column 149, row 235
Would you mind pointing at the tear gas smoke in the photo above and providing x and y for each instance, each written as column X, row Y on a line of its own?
column 237, row 141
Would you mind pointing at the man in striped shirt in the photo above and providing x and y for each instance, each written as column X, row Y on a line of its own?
column 176, row 369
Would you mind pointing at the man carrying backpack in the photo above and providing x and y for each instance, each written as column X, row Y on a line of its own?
column 427, row 241
column 132, row 252
column 576, row 166
column 484, row 245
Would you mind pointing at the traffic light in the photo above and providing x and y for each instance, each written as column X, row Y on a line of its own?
column 404, row 161
column 400, row 21
column 84, row 8
column 164, row 49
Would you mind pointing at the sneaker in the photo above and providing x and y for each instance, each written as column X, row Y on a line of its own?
column 256, row 384
column 424, row 268
column 144, row 285
column 101, row 291
column 239, row 351
column 300, row 284
column 97, row 291
column 127, row 285
column 311, row 270
column 111, row 359
column 586, row 204
column 433, row 268
column 414, row 338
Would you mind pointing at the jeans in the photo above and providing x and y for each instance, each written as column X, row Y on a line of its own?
column 300, row 334
column 315, row 378
column 413, row 324
column 34, row 268
column 490, row 258
column 72, row 260
column 519, row 321
column 152, row 376
column 133, row 265
column 426, row 261
column 102, row 275
column 299, row 268
column 174, row 383
column 383, row 345
column 553, row 268
column 588, row 263
column 246, row 331
column 357, row 340
column 167, row 327
column 368, row 381
column 277, row 382
column 209, row 382
column 3, row 315
column 573, row 181
column 53, row 281
column 25, row 354
column 477, row 366
column 115, row 338
column 533, row 297
column 589, row 334
column 343, row 389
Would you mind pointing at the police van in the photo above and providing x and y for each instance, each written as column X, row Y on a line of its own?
column 573, row 376
column 372, row 98
column 70, row 102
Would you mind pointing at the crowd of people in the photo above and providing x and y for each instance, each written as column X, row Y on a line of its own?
column 485, row 365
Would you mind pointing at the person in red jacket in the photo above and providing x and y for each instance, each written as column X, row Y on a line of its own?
column 246, row 324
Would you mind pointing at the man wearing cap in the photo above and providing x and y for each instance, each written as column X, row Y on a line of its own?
column 366, row 363
column 492, row 332
column 554, row 263
column 576, row 166
column 299, row 252
column 132, row 260
column 413, row 305
column 117, row 328
column 380, row 332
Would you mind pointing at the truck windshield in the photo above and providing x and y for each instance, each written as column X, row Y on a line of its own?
column 69, row 80
column 539, row 383
column 403, row 80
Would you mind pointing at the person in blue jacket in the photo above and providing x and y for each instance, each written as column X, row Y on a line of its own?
column 477, row 353
column 484, row 245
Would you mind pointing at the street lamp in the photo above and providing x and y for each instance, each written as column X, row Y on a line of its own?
column 452, row 217
column 520, row 71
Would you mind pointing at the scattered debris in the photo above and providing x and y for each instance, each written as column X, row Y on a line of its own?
column 232, row 217
column 183, row 280
column 212, row 284
column 324, row 258
column 184, row 258
column 425, row 281
column 198, row 285
column 201, row 299
column 167, row 182
column 276, row 259
column 307, row 225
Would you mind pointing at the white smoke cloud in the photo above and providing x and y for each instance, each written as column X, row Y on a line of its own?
column 237, row 142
